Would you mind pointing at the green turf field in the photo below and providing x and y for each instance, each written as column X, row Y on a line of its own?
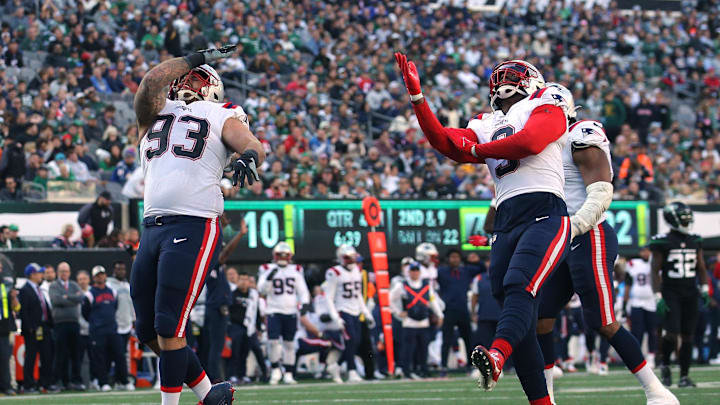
column 618, row 388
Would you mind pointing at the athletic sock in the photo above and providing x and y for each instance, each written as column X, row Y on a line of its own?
column 547, row 346
column 173, row 367
column 685, row 357
column 516, row 317
column 541, row 401
column 502, row 347
column 669, row 345
column 628, row 348
column 289, row 368
column 195, row 377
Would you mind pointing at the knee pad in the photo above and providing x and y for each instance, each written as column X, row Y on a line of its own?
column 288, row 348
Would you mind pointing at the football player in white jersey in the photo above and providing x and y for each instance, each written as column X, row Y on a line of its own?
column 588, row 268
column 427, row 256
column 521, row 141
column 186, row 139
column 640, row 299
column 283, row 285
column 343, row 290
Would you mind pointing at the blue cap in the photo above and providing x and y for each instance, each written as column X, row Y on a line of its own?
column 33, row 268
column 414, row 266
column 60, row 156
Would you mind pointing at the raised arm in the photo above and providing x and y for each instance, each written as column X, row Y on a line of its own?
column 436, row 134
column 151, row 95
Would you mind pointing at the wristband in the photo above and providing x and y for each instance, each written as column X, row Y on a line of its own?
column 195, row 59
column 416, row 97
column 705, row 289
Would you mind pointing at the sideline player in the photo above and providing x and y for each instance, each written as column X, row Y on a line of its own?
column 283, row 285
column 587, row 268
column 678, row 254
column 187, row 136
column 343, row 290
column 521, row 141
column 640, row 300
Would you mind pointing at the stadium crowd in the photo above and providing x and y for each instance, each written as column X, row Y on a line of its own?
column 319, row 84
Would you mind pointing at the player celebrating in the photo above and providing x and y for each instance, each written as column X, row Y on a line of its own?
column 343, row 290
column 587, row 269
column 521, row 142
column 186, row 140
column 640, row 298
column 679, row 255
column 283, row 285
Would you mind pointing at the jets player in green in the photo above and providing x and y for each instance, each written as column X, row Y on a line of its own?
column 677, row 261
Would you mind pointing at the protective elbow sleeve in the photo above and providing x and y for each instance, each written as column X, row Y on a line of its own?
column 599, row 197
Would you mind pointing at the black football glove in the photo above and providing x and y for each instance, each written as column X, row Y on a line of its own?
column 245, row 167
column 203, row 56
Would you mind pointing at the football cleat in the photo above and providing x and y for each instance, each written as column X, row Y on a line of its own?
column 334, row 371
column 288, row 379
column 686, row 382
column 666, row 376
column 275, row 376
column 219, row 394
column 354, row 377
column 661, row 396
column 557, row 372
column 603, row 369
column 488, row 363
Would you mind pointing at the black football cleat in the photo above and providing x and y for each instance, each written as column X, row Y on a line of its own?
column 666, row 376
column 686, row 382
column 219, row 394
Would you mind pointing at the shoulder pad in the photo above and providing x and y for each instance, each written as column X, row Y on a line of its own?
column 332, row 272
column 587, row 133
column 659, row 239
column 265, row 266
column 696, row 237
column 299, row 268
column 548, row 95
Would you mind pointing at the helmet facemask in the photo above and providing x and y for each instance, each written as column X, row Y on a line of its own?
column 513, row 77
column 210, row 87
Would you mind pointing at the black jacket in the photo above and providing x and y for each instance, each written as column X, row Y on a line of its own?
column 98, row 217
column 31, row 312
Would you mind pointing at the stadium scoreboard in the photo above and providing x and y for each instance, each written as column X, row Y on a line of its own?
column 314, row 228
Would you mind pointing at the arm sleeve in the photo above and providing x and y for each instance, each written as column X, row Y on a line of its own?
column 396, row 299
column 434, row 305
column 546, row 124
column 303, row 294
column 330, row 286
column 438, row 136
column 263, row 286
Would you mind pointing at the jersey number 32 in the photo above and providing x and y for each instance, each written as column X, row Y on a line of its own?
column 505, row 166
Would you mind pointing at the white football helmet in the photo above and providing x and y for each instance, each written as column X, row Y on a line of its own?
column 346, row 255
column 211, row 86
column 426, row 253
column 282, row 254
column 569, row 101
column 514, row 77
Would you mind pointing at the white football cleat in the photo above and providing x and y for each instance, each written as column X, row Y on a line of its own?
column 354, row 377
column 275, row 376
column 661, row 396
column 106, row 388
column 602, row 369
column 288, row 378
column 334, row 371
column 557, row 372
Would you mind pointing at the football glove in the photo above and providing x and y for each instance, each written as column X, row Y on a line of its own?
column 370, row 321
column 463, row 143
column 204, row 56
column 245, row 167
column 705, row 293
column 662, row 306
column 339, row 322
column 478, row 240
column 410, row 76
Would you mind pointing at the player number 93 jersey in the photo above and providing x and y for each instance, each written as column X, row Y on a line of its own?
column 182, row 157
column 348, row 289
column 538, row 173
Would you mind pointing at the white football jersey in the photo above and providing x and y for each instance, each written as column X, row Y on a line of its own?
column 641, row 292
column 348, row 289
column 183, row 156
column 582, row 134
column 538, row 173
column 286, row 292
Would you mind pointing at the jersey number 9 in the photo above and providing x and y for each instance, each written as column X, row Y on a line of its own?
column 506, row 166
column 283, row 286
column 163, row 134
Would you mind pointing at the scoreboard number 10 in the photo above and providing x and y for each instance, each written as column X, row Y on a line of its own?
column 268, row 229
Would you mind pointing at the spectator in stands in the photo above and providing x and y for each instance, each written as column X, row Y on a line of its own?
column 12, row 162
column 125, row 167
column 66, row 297
column 98, row 215
column 12, row 240
column 77, row 166
column 125, row 315
column 13, row 56
column 37, row 330
column 638, row 163
column 99, row 309
column 454, row 280
column 63, row 241
column 10, row 306
column 11, row 192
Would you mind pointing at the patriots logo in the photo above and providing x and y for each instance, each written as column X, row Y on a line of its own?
column 558, row 98
column 587, row 131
